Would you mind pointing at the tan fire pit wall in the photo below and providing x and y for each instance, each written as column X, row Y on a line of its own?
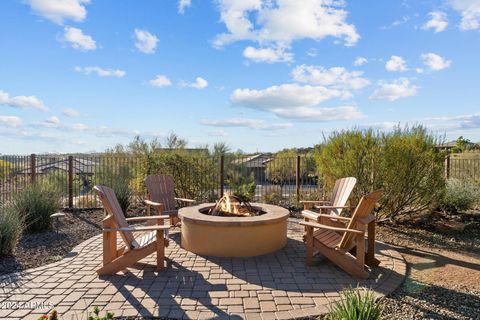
column 246, row 237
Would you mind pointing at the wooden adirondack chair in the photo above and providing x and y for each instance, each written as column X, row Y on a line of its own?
column 346, row 246
column 151, row 239
column 340, row 194
column 161, row 197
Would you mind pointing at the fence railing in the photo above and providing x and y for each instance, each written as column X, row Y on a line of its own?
column 281, row 180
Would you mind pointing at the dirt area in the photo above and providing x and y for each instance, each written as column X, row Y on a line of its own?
column 443, row 273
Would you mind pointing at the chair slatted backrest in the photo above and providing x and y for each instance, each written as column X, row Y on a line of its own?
column 162, row 189
column 341, row 192
column 364, row 208
column 111, row 205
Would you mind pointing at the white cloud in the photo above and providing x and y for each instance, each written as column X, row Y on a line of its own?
column 245, row 122
column 278, row 23
column 145, row 41
column 435, row 62
column 182, row 5
column 438, row 21
column 11, row 121
column 160, row 81
column 58, row 11
column 101, row 72
column 360, row 61
column 337, row 77
column 470, row 12
column 55, row 123
column 396, row 63
column 268, row 55
column 72, row 113
column 200, row 83
column 78, row 40
column 22, row 102
column 419, row 70
column 294, row 101
column 391, row 91
column 283, row 96
column 217, row 133
column 321, row 114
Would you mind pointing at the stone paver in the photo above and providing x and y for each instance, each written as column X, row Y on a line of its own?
column 274, row 286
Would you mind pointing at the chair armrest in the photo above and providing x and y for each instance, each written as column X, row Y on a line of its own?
column 322, row 226
column 315, row 201
column 153, row 203
column 329, row 216
column 186, row 200
column 310, row 214
column 333, row 207
column 140, row 228
column 146, row 218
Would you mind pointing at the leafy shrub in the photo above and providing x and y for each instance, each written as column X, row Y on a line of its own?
column 273, row 195
column 356, row 305
column 405, row 163
column 35, row 204
column 459, row 196
column 96, row 315
column 11, row 228
column 117, row 174
column 245, row 191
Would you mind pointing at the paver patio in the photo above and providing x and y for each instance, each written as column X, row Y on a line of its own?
column 274, row 286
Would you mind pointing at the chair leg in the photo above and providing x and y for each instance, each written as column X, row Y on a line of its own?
column 309, row 249
column 160, row 250
column 360, row 251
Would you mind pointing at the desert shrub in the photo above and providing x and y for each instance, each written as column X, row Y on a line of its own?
column 405, row 163
column 195, row 174
column 273, row 195
column 350, row 153
column 11, row 228
column 35, row 204
column 356, row 305
column 411, row 171
column 459, row 196
column 117, row 174
column 240, row 181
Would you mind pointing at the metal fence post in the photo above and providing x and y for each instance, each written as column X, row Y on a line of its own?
column 447, row 165
column 33, row 167
column 297, row 178
column 222, row 177
column 70, row 181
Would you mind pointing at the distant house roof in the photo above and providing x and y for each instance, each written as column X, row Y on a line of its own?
column 80, row 166
column 452, row 144
column 255, row 161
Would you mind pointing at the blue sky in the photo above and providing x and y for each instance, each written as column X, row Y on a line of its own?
column 83, row 75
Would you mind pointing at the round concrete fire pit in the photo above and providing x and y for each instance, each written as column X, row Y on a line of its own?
column 233, row 236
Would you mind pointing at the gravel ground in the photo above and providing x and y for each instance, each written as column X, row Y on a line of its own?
column 443, row 273
column 34, row 250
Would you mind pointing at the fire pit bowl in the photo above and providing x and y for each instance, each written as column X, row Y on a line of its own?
column 234, row 236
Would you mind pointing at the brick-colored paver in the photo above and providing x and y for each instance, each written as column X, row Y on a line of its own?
column 273, row 286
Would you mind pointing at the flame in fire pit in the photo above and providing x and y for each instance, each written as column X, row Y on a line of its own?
column 232, row 206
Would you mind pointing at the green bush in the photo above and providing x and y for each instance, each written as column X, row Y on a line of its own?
column 35, row 204
column 404, row 163
column 117, row 174
column 459, row 196
column 356, row 305
column 96, row 315
column 11, row 228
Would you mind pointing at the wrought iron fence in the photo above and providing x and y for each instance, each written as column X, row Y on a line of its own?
column 280, row 180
